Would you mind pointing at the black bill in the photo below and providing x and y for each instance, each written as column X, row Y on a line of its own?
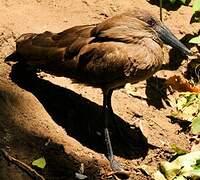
column 167, row 37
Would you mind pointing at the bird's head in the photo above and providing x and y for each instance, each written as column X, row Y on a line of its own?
column 161, row 30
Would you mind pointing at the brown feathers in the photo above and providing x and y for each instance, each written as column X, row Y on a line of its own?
column 121, row 49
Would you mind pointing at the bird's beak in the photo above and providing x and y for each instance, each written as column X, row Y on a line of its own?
column 167, row 37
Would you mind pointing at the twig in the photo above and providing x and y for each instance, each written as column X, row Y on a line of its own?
column 23, row 166
column 161, row 10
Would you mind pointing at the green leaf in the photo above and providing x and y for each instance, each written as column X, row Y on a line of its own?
column 196, row 125
column 40, row 163
column 183, row 167
column 174, row 113
column 178, row 150
column 187, row 106
column 172, row 1
column 191, row 98
column 181, row 102
column 197, row 167
column 196, row 6
column 183, row 1
column 195, row 40
column 198, row 162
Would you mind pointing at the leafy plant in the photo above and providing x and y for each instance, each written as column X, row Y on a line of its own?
column 188, row 108
column 183, row 167
column 196, row 125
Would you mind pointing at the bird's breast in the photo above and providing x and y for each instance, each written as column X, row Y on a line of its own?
column 145, row 58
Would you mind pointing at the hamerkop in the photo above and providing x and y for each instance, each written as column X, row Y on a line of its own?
column 126, row 48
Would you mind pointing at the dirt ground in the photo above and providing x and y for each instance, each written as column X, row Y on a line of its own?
column 44, row 115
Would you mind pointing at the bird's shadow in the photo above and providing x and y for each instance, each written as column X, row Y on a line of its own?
column 156, row 92
column 81, row 118
column 156, row 87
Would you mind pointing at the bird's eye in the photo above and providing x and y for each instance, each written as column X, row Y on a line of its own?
column 151, row 22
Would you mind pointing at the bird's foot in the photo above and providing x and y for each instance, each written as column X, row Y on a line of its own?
column 115, row 165
column 118, row 171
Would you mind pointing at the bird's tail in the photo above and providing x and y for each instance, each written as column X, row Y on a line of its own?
column 25, row 37
column 38, row 49
column 15, row 56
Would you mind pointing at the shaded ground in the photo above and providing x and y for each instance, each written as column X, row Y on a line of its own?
column 43, row 115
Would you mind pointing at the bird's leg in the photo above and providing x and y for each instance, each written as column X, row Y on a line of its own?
column 122, row 129
column 107, row 112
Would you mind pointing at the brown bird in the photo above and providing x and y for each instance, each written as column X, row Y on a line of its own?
column 126, row 48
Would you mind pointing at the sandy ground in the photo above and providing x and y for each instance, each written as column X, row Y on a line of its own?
column 22, row 16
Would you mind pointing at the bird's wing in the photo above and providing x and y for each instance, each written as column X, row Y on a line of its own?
column 116, row 63
column 46, row 47
column 107, row 62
